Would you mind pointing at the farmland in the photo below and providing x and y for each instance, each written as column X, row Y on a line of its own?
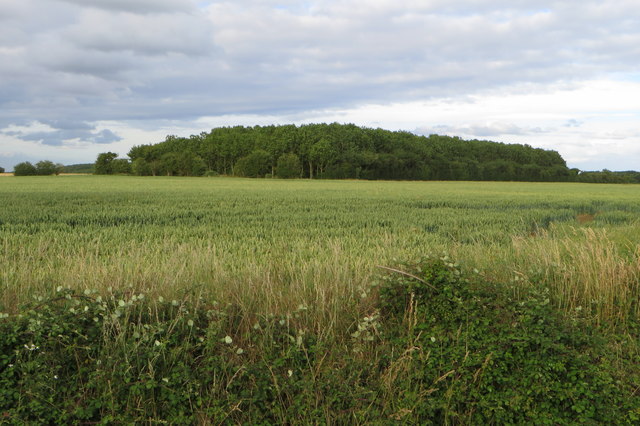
column 272, row 248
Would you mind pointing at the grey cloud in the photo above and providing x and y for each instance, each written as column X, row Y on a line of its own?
column 137, row 6
column 168, row 59
column 143, row 35
column 62, row 132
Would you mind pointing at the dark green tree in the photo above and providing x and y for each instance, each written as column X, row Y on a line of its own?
column 256, row 164
column 47, row 168
column 140, row 167
column 104, row 162
column 120, row 166
column 1, row 169
column 289, row 166
column 25, row 169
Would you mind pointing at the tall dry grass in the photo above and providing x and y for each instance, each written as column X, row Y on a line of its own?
column 588, row 271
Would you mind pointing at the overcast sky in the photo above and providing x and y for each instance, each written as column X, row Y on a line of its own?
column 80, row 77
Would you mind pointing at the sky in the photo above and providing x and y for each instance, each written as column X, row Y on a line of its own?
column 81, row 77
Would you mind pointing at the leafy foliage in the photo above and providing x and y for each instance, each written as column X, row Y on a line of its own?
column 256, row 164
column 289, row 166
column 104, row 163
column 25, row 169
column 347, row 151
column 42, row 168
column 80, row 168
column 483, row 357
column 439, row 348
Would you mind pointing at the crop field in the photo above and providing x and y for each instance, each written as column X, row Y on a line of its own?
column 274, row 245
column 271, row 248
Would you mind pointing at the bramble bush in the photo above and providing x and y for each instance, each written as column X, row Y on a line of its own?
column 440, row 346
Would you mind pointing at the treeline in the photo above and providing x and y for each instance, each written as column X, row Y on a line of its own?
column 337, row 151
column 41, row 168
column 607, row 176
column 80, row 168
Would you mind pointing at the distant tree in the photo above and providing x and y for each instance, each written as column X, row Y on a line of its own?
column 256, row 164
column 289, row 166
column 25, row 169
column 47, row 168
column 140, row 167
column 347, row 151
column 104, row 163
column 120, row 166
column 321, row 154
column 79, row 168
column 1, row 169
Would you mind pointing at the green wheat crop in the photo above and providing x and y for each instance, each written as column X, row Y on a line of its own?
column 271, row 246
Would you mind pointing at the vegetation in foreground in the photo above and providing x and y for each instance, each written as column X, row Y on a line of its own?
column 437, row 347
column 291, row 266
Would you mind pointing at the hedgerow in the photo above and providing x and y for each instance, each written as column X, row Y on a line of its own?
column 438, row 346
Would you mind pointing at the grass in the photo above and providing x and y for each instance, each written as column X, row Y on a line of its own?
column 274, row 245
column 305, row 262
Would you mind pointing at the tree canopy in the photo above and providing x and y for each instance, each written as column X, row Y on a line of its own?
column 42, row 168
column 344, row 151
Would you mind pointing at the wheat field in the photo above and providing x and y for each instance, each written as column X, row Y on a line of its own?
column 271, row 246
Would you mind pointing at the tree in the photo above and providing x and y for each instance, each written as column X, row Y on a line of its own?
column 1, row 169
column 256, row 164
column 120, row 166
column 140, row 167
column 104, row 163
column 25, row 169
column 322, row 153
column 47, row 168
column 289, row 166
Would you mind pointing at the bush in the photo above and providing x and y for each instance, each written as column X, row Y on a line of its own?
column 120, row 166
column 25, row 169
column 440, row 348
column 47, row 168
column 289, row 166
column 140, row 167
column 483, row 357
column 256, row 164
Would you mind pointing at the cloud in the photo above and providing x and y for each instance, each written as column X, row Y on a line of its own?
column 159, row 34
column 481, row 130
column 159, row 62
column 60, row 133
column 136, row 6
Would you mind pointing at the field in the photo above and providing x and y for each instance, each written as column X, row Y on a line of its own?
column 270, row 248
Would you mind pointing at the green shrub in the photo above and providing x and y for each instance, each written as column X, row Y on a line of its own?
column 25, row 169
column 440, row 347
column 289, row 166
column 482, row 357
column 256, row 164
